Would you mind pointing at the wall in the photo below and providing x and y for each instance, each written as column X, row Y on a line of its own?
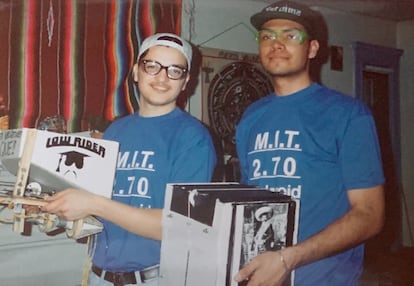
column 405, row 40
column 224, row 24
column 218, row 24
column 228, row 27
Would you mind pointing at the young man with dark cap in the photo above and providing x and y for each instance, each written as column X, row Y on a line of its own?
column 314, row 144
column 159, row 144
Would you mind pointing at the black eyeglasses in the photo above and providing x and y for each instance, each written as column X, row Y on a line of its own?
column 173, row 71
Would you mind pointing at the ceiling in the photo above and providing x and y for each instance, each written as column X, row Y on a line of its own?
column 393, row 10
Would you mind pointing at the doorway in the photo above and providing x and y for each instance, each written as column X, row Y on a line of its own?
column 376, row 96
column 377, row 83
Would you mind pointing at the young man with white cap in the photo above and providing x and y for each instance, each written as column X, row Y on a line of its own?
column 159, row 144
column 314, row 144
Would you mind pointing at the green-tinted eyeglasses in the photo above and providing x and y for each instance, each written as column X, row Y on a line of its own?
column 286, row 36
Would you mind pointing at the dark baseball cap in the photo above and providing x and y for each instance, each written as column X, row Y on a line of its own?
column 288, row 10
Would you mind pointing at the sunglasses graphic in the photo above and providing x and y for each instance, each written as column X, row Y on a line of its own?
column 72, row 158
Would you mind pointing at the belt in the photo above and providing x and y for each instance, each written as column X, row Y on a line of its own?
column 125, row 278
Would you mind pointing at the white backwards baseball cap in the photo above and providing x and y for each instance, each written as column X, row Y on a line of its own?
column 168, row 40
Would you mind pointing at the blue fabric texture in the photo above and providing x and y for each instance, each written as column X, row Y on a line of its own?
column 154, row 151
column 313, row 145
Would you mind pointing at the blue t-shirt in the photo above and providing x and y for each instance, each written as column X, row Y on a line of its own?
column 313, row 145
column 154, row 151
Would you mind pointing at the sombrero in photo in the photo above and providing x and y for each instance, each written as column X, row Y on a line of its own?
column 263, row 210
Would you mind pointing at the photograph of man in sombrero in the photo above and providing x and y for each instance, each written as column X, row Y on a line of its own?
column 265, row 227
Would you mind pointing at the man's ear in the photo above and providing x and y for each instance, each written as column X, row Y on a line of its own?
column 135, row 72
column 313, row 49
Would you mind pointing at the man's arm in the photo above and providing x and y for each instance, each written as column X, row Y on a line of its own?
column 73, row 204
column 364, row 220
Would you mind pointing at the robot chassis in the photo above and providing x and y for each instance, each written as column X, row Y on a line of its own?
column 25, row 201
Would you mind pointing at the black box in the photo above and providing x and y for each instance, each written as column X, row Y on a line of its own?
column 210, row 231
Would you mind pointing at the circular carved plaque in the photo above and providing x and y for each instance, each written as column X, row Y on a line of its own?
column 231, row 90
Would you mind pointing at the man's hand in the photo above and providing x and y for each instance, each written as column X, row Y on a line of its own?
column 266, row 269
column 70, row 204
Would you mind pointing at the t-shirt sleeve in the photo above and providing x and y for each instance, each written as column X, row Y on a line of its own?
column 196, row 159
column 360, row 154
